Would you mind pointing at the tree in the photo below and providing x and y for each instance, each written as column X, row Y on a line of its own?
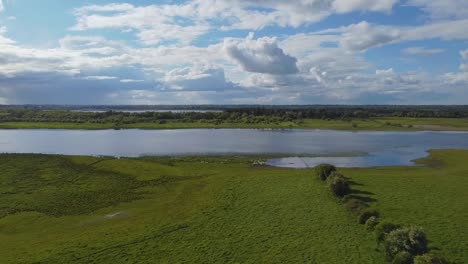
column 366, row 214
column 324, row 170
column 371, row 223
column 409, row 239
column 338, row 184
column 384, row 228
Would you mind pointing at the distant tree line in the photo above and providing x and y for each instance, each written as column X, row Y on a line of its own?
column 244, row 114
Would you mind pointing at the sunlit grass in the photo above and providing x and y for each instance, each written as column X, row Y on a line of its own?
column 211, row 210
column 59, row 209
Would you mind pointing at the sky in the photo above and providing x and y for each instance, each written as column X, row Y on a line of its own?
column 234, row 52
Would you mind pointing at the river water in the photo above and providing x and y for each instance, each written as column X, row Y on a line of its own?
column 299, row 148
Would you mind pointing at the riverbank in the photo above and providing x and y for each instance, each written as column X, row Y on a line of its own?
column 63, row 209
column 372, row 124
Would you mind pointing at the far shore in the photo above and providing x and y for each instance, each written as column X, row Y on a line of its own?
column 372, row 124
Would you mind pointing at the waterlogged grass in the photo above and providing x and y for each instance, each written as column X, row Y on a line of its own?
column 434, row 197
column 164, row 210
column 385, row 124
column 58, row 209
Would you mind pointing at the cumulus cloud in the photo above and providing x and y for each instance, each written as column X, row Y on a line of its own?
column 1, row 6
column 260, row 55
column 422, row 51
column 327, row 66
column 197, row 79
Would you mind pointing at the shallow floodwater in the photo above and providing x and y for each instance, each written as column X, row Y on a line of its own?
column 341, row 148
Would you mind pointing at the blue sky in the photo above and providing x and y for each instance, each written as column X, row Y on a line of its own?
column 234, row 52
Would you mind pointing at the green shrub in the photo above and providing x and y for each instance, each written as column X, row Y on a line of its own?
column 409, row 239
column 366, row 214
column 403, row 258
column 382, row 229
column 338, row 184
column 429, row 259
column 371, row 223
column 324, row 170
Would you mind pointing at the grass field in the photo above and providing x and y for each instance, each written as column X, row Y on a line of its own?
column 57, row 209
column 385, row 124
column 434, row 197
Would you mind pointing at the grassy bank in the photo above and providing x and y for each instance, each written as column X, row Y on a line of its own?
column 434, row 196
column 378, row 124
column 57, row 209
column 207, row 210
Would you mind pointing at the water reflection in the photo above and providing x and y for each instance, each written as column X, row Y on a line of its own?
column 342, row 148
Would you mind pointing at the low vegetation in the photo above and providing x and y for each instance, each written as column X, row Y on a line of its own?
column 211, row 209
column 171, row 210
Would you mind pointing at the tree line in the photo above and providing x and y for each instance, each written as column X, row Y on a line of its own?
column 251, row 114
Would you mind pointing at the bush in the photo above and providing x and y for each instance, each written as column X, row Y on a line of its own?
column 384, row 228
column 371, row 223
column 429, row 259
column 366, row 214
column 338, row 184
column 403, row 258
column 324, row 170
column 410, row 239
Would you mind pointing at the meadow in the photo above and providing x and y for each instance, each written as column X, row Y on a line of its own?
column 371, row 124
column 73, row 209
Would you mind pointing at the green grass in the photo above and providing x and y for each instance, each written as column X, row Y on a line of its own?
column 385, row 124
column 434, row 197
column 59, row 209
column 211, row 210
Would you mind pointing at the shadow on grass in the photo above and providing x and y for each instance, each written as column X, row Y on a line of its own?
column 351, row 182
column 364, row 199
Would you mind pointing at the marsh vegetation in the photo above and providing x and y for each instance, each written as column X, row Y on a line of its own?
column 206, row 209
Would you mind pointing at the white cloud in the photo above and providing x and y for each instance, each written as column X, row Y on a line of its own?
column 319, row 67
column 422, row 51
column 183, row 23
column 363, row 35
column 1, row 6
column 464, row 54
column 445, row 30
column 345, row 6
column 154, row 23
column 131, row 81
column 197, row 79
column 443, row 9
column 385, row 72
column 100, row 78
column 261, row 55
